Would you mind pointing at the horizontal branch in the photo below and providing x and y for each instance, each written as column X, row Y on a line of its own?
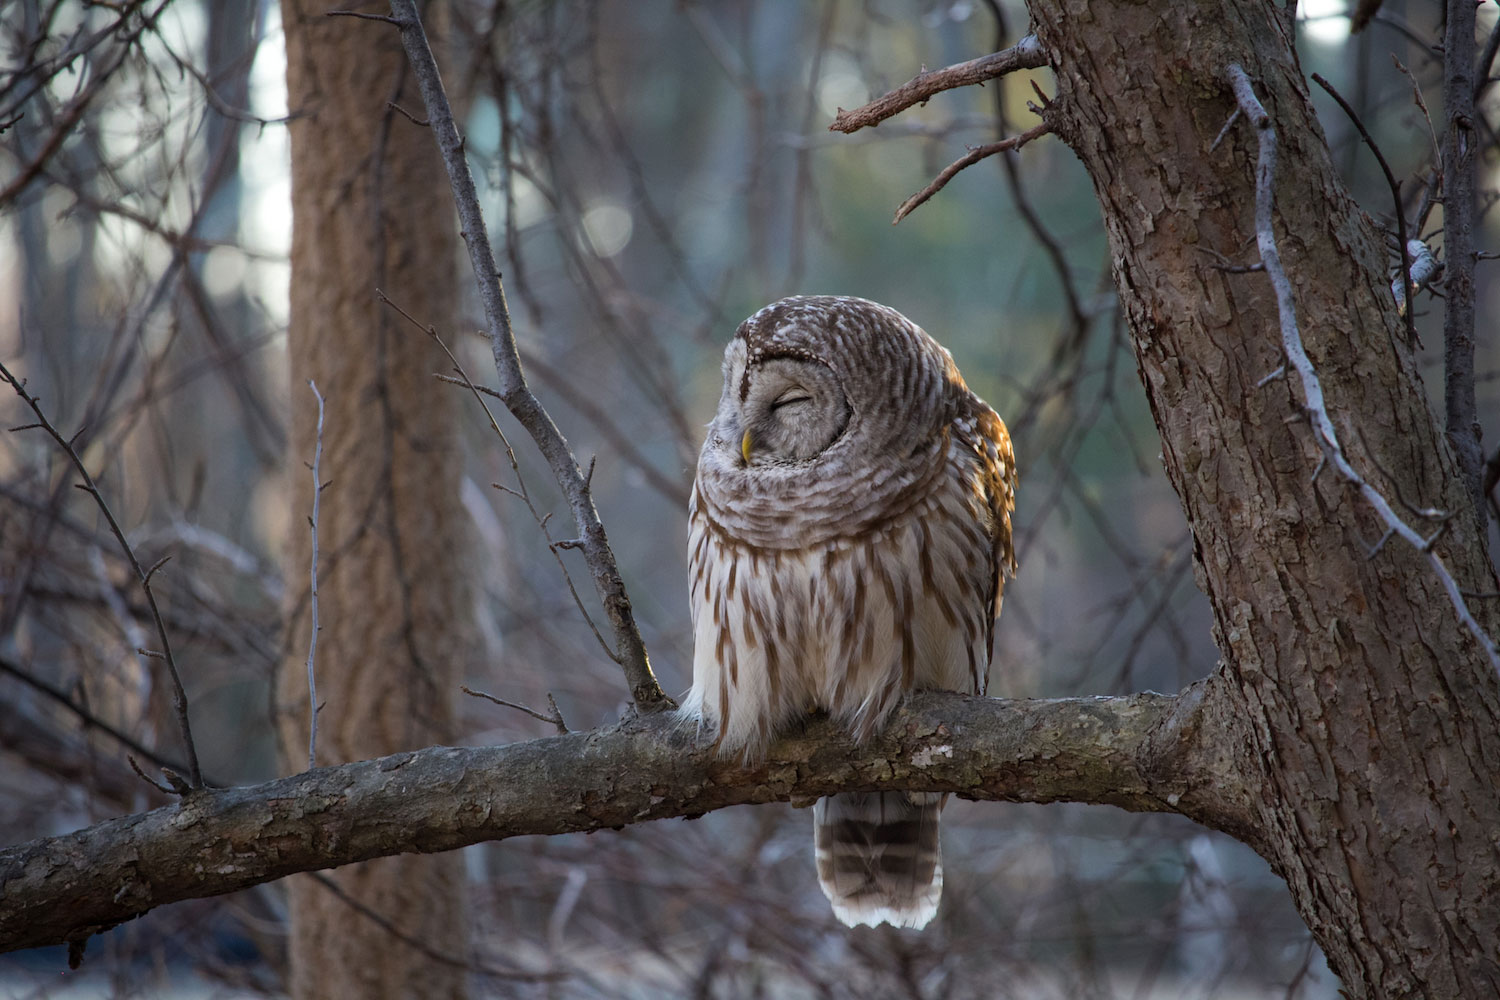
column 1144, row 752
column 1025, row 54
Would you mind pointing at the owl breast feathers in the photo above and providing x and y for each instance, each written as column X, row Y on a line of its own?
column 849, row 531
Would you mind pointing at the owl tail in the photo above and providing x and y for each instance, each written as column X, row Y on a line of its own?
column 878, row 856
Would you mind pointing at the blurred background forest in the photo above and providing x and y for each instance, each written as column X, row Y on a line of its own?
column 653, row 172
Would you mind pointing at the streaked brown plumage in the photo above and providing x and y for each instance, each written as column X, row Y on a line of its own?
column 849, row 531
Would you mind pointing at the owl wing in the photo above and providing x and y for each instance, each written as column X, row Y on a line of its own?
column 997, row 478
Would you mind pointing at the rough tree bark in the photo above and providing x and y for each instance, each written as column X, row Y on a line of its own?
column 1371, row 719
column 371, row 210
column 1144, row 752
column 1351, row 734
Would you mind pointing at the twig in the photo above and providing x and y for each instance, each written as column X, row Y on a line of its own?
column 87, row 718
column 365, row 17
column 1025, row 54
column 422, row 122
column 1421, row 103
column 674, row 492
column 1079, row 314
column 1312, row 389
column 562, row 727
column 1407, row 289
column 146, row 777
column 312, row 642
column 385, row 924
column 972, row 157
column 1234, row 116
column 630, row 650
column 515, row 467
column 179, row 696
column 1270, row 377
column 1459, row 166
column 555, row 719
column 1434, row 179
column 99, row 75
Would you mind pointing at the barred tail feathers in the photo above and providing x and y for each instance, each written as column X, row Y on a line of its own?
column 878, row 856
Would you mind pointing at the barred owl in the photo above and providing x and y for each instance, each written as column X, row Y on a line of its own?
column 849, row 531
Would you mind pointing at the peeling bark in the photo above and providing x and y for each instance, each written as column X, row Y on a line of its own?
column 1144, row 752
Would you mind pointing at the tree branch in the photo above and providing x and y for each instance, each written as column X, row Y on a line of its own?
column 970, row 158
column 1143, row 752
column 1404, row 287
column 1025, row 54
column 1312, row 388
column 630, row 650
column 179, row 696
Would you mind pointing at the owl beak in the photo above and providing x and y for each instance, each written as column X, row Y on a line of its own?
column 745, row 445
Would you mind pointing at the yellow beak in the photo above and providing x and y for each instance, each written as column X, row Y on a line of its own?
column 745, row 447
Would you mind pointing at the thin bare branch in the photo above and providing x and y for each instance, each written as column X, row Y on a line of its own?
column 1312, row 389
column 515, row 467
column 1025, row 54
column 389, row 927
column 1404, row 277
column 179, row 696
column 312, row 570
column 146, row 777
column 555, row 719
column 87, row 719
column 363, row 16
column 969, row 159
column 630, row 650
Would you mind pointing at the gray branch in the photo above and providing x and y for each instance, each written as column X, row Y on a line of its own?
column 1025, row 54
column 1312, row 388
column 630, row 650
column 1144, row 752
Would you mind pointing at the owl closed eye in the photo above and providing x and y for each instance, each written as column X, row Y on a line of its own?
column 791, row 410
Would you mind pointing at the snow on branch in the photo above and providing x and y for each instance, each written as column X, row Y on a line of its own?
column 1312, row 389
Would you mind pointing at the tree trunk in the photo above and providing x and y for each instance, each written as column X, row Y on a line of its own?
column 1370, row 716
column 371, row 211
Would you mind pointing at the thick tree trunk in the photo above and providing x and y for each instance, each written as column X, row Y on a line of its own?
column 371, row 210
column 1371, row 717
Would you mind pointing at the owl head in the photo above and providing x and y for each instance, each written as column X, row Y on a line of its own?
column 832, row 408
column 817, row 372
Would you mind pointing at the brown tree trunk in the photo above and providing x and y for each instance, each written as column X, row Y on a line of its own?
column 371, row 210
column 1371, row 718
